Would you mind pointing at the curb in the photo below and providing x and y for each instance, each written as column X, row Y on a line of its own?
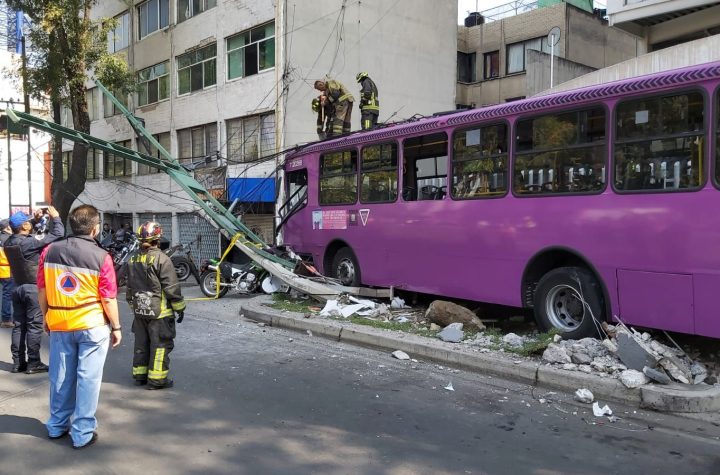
column 671, row 398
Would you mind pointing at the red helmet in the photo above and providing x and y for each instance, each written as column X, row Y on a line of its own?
column 150, row 231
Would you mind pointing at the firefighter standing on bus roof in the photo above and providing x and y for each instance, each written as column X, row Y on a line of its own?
column 341, row 99
column 325, row 115
column 369, row 102
column 153, row 293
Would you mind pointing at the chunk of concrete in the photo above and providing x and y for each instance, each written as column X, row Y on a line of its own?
column 452, row 333
column 657, row 375
column 632, row 354
column 444, row 313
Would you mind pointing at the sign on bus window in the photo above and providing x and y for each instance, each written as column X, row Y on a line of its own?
column 659, row 143
column 479, row 162
column 338, row 178
column 561, row 153
column 379, row 173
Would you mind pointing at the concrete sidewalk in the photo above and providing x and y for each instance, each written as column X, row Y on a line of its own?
column 677, row 398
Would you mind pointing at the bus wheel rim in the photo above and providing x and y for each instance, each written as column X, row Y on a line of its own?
column 564, row 308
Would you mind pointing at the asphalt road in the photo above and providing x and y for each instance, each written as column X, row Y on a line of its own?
column 259, row 400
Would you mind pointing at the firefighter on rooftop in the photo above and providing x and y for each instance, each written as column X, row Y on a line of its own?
column 153, row 293
column 342, row 100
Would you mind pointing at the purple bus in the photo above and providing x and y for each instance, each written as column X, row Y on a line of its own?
column 587, row 206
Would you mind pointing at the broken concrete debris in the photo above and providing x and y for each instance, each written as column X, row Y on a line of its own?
column 632, row 378
column 401, row 355
column 452, row 333
column 584, row 395
column 444, row 313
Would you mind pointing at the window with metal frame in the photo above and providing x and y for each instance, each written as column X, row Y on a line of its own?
column 379, row 173
column 153, row 84
column 189, row 8
column 197, row 144
column 251, row 51
column 561, row 153
column 119, row 37
column 338, row 178
column 153, row 15
column 249, row 138
column 196, row 70
column 659, row 143
column 164, row 140
column 479, row 164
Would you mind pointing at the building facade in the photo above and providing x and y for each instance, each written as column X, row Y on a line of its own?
column 504, row 54
column 223, row 84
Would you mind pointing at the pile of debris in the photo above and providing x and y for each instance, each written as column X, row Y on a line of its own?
column 634, row 358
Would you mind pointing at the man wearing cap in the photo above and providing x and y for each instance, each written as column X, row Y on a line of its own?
column 23, row 252
column 5, row 277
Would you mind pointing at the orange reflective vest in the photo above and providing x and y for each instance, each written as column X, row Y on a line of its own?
column 4, row 265
column 72, row 275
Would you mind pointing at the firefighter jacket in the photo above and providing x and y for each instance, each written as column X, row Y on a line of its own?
column 153, row 290
column 369, row 101
column 337, row 92
column 23, row 252
column 4, row 264
column 76, row 274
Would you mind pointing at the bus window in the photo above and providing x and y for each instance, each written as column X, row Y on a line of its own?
column 338, row 178
column 561, row 153
column 659, row 143
column 479, row 162
column 425, row 167
column 379, row 177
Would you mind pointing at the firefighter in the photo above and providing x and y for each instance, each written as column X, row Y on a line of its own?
column 23, row 252
column 77, row 293
column 5, row 277
column 369, row 102
column 153, row 293
column 340, row 98
column 324, row 116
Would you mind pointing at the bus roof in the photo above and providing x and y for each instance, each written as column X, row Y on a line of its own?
column 650, row 82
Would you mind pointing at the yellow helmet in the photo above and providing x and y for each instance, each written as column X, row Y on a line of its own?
column 361, row 76
column 316, row 104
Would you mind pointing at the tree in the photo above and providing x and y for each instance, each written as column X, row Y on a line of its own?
column 66, row 45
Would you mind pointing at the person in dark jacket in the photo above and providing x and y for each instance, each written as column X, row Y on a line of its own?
column 369, row 102
column 23, row 252
column 153, row 293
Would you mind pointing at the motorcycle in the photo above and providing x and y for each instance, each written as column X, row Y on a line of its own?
column 182, row 259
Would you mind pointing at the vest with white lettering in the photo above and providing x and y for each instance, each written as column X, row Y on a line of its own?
column 72, row 275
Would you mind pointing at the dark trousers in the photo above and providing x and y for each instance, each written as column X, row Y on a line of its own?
column 153, row 344
column 368, row 120
column 27, row 333
column 7, row 290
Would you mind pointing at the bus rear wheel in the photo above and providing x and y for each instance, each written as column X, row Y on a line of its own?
column 345, row 268
column 569, row 300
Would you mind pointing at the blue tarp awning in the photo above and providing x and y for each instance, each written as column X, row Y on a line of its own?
column 252, row 190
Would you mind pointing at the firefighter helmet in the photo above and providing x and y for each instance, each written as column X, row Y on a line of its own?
column 316, row 105
column 150, row 231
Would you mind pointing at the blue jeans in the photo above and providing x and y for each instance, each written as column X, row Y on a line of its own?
column 7, row 288
column 76, row 368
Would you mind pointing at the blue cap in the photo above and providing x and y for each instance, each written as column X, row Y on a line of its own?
column 18, row 219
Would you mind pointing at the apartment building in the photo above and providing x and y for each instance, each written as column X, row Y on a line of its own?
column 224, row 83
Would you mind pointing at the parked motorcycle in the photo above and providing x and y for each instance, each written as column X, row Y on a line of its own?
column 182, row 259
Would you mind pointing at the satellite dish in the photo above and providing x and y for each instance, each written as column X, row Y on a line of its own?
column 554, row 36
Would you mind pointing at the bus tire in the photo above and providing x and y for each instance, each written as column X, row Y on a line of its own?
column 558, row 303
column 345, row 267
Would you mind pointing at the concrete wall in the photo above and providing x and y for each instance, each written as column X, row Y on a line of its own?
column 538, row 71
column 680, row 56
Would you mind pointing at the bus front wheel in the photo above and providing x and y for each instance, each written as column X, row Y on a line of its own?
column 569, row 300
column 345, row 268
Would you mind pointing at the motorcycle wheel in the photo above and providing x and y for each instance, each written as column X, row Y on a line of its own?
column 182, row 267
column 207, row 284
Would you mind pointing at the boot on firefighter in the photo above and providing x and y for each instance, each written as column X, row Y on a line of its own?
column 369, row 102
column 341, row 100
column 153, row 293
column 325, row 113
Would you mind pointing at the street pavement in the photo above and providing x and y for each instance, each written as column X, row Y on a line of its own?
column 250, row 399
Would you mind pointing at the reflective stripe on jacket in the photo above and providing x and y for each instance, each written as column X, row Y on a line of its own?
column 71, row 270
